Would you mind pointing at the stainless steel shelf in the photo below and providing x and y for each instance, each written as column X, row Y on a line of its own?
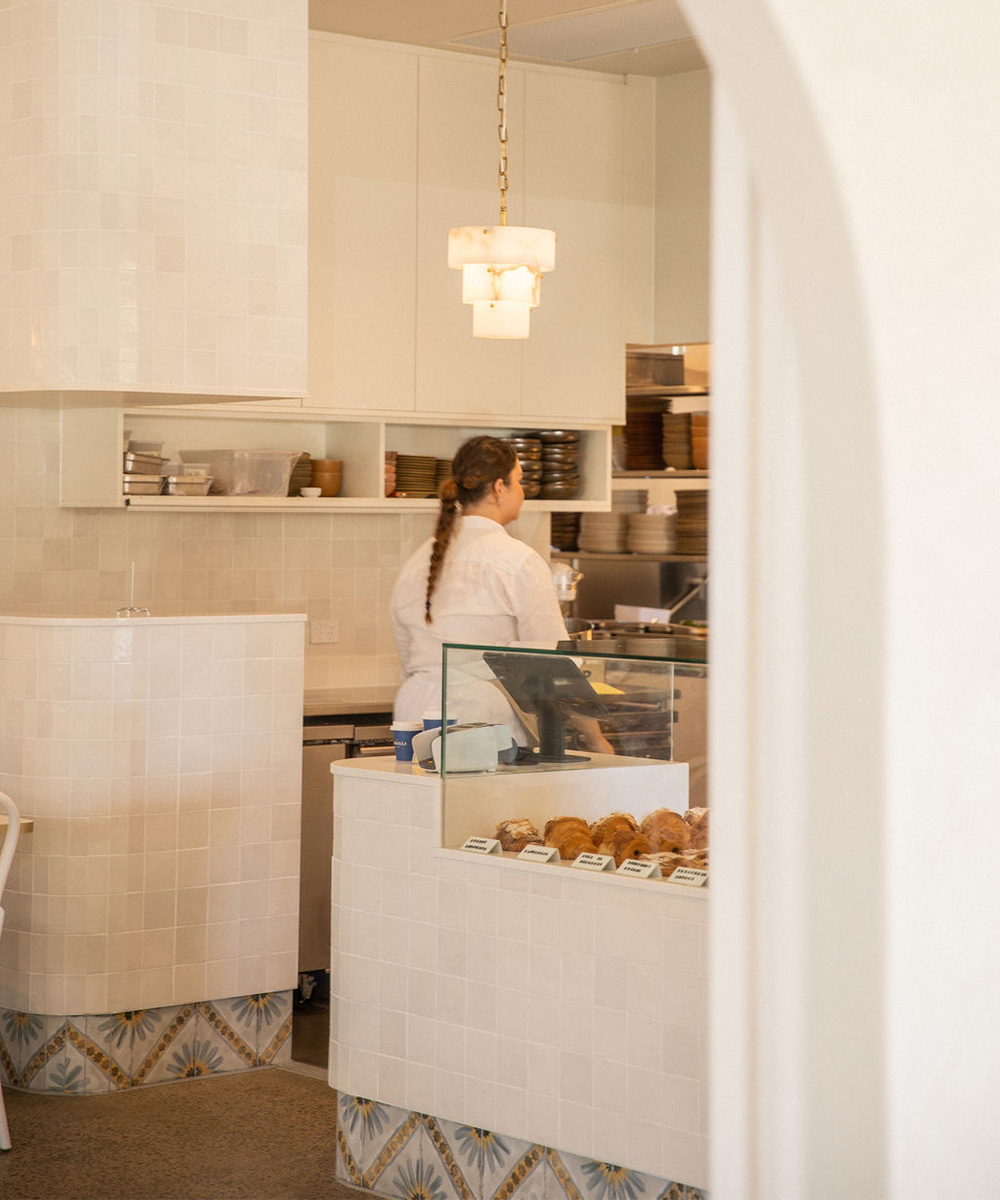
column 664, row 474
column 601, row 556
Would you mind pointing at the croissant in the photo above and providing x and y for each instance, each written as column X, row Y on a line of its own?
column 559, row 826
column 600, row 829
column 666, row 830
column 517, row 833
column 572, row 844
column 625, row 843
column 697, row 820
column 570, row 836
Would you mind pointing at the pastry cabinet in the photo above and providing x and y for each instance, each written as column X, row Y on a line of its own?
column 601, row 754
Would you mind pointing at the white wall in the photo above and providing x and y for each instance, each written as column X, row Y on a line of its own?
column 873, row 147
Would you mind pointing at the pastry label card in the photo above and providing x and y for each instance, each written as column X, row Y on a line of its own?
column 482, row 845
column 535, row 853
column 594, row 862
column 690, row 876
column 639, row 869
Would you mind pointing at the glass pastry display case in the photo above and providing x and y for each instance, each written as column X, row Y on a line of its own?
column 577, row 751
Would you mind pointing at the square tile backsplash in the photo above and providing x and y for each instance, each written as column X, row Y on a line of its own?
column 61, row 561
column 170, row 143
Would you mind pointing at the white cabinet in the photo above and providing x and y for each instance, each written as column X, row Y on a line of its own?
column 362, row 225
column 459, row 151
column 404, row 146
column 574, row 362
column 92, row 441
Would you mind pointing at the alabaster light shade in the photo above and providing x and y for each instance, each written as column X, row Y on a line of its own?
column 502, row 267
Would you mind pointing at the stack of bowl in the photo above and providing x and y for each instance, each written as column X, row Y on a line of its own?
column 699, row 440
column 560, row 464
column 528, row 448
column 326, row 475
column 390, row 472
column 677, row 441
column 652, row 533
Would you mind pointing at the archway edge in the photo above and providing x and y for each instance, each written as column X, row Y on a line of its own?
column 824, row 1134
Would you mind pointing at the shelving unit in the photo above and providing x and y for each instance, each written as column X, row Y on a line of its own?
column 628, row 556
column 92, row 441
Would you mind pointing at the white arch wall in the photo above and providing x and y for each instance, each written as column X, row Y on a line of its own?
column 857, row 276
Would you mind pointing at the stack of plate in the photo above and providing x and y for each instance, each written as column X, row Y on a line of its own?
column 677, row 441
column 652, row 533
column 390, row 472
column 699, row 440
column 528, row 448
column 630, row 500
column 560, row 464
column 301, row 475
column 415, row 475
column 692, row 522
column 442, row 472
column 643, row 440
column 565, row 530
column 605, row 533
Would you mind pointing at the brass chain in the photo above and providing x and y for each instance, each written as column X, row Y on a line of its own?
column 502, row 109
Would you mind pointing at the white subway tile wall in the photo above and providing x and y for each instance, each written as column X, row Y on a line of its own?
column 60, row 561
column 173, row 141
column 563, row 1008
column 163, row 865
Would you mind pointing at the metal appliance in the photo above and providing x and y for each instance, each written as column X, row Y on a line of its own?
column 327, row 738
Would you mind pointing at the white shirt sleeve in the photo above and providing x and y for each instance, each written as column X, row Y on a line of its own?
column 535, row 604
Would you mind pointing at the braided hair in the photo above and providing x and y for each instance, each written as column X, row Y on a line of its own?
column 477, row 465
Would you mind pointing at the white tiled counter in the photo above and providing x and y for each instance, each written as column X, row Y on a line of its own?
column 559, row 1008
column 160, row 759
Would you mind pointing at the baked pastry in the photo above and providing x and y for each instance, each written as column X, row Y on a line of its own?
column 667, row 830
column 570, row 836
column 600, row 829
column 697, row 820
column 516, row 834
column 624, row 843
column 667, row 861
column 560, row 825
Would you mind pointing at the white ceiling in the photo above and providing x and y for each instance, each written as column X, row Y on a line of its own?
column 638, row 37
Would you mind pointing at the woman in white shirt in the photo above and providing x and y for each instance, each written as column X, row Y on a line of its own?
column 471, row 583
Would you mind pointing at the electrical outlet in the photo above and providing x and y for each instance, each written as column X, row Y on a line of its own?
column 321, row 632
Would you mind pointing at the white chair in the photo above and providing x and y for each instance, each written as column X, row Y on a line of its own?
column 6, row 858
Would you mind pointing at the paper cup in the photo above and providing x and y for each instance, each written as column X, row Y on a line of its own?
column 432, row 720
column 403, row 733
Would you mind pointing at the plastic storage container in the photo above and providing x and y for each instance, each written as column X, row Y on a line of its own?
column 246, row 472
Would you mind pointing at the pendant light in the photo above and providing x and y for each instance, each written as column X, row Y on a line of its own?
column 502, row 265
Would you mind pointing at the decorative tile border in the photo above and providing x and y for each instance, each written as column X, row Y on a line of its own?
column 412, row 1156
column 114, row 1051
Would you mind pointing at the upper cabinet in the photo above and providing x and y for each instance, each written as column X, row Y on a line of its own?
column 403, row 146
column 362, row 225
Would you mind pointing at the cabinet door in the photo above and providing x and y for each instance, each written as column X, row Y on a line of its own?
column 459, row 155
column 574, row 361
column 362, row 225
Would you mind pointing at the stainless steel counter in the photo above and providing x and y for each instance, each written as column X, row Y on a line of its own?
column 337, row 702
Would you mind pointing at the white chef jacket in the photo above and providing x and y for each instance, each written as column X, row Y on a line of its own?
column 492, row 591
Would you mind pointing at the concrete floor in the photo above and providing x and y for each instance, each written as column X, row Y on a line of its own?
column 259, row 1135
